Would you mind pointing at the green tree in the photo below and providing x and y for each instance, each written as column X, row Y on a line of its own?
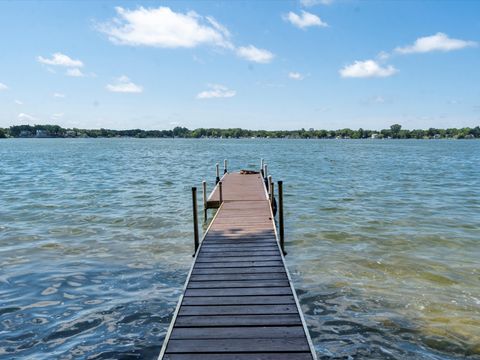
column 395, row 129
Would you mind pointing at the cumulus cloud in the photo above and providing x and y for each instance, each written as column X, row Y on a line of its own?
column 216, row 91
column 308, row 3
column 437, row 42
column 59, row 95
column 75, row 72
column 304, row 20
column 26, row 117
column 124, row 85
column 367, row 68
column 296, row 76
column 251, row 53
column 18, row 102
column 162, row 27
column 3, row 87
column 59, row 59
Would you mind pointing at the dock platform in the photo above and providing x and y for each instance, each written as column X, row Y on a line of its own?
column 239, row 302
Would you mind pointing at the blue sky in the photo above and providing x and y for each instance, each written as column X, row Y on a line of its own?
column 272, row 65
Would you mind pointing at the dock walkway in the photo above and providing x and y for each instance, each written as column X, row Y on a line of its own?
column 239, row 302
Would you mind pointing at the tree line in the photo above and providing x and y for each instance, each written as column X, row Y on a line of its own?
column 394, row 132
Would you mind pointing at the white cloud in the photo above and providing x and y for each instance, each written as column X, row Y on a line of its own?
column 162, row 27
column 251, row 53
column 75, row 72
column 59, row 95
column 308, row 3
column 216, row 91
column 59, row 59
column 124, row 85
column 367, row 68
column 26, row 117
column 18, row 102
column 437, row 42
column 304, row 20
column 165, row 28
column 378, row 99
column 296, row 76
column 57, row 116
column 383, row 56
column 3, row 87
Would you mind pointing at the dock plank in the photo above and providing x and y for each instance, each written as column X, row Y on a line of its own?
column 238, row 300
column 239, row 320
column 237, row 284
column 238, row 345
column 238, row 310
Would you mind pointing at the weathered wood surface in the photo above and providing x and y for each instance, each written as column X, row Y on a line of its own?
column 238, row 301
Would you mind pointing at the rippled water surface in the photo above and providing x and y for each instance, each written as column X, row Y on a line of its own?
column 383, row 243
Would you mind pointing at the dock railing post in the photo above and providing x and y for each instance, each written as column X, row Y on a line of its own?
column 265, row 171
column 195, row 219
column 225, row 166
column 261, row 166
column 218, row 173
column 205, row 207
column 269, row 187
column 280, row 217
column 220, row 192
column 272, row 198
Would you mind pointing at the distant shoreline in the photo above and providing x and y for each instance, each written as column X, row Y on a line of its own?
column 394, row 132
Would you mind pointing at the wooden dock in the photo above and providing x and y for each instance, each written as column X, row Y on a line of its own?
column 239, row 302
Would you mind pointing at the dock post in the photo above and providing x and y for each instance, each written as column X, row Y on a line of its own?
column 265, row 171
column 220, row 192
column 272, row 199
column 280, row 217
column 205, row 207
column 195, row 219
column 269, row 187
column 261, row 166
column 218, row 173
column 225, row 166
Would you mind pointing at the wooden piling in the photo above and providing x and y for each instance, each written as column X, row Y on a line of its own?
column 217, row 167
column 281, row 229
column 195, row 219
column 220, row 189
column 205, row 207
column 269, row 187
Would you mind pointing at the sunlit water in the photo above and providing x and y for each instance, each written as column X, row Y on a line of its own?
column 383, row 241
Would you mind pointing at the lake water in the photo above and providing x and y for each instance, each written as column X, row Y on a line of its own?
column 383, row 241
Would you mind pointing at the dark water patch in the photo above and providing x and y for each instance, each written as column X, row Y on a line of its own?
column 9, row 310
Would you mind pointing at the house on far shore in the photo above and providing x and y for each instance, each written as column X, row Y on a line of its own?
column 375, row 136
column 25, row 133
column 42, row 134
